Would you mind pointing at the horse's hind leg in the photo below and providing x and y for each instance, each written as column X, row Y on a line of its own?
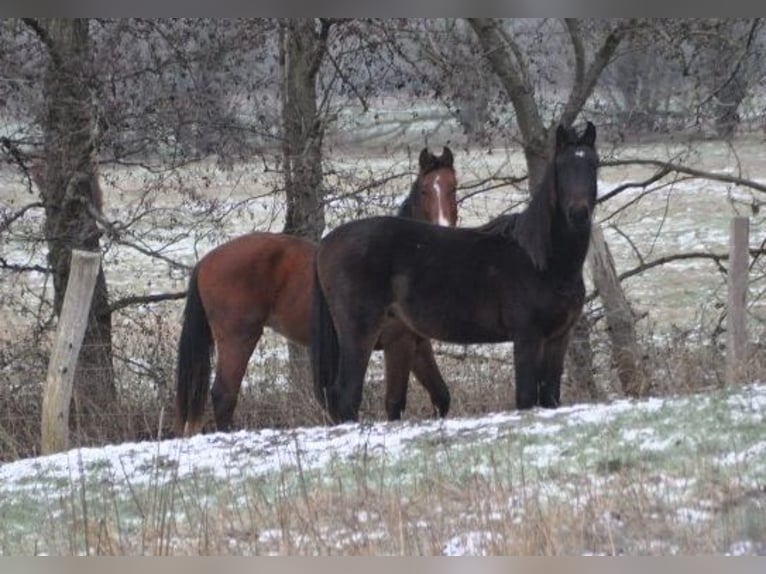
column 427, row 372
column 399, row 353
column 233, row 353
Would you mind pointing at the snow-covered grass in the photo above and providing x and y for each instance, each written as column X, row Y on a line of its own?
column 671, row 475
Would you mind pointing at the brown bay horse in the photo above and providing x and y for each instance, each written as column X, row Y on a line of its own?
column 262, row 280
column 518, row 278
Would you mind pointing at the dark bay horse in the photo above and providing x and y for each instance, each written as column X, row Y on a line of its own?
column 517, row 278
column 262, row 280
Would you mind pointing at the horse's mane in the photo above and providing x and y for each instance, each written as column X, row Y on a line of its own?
column 502, row 225
column 530, row 228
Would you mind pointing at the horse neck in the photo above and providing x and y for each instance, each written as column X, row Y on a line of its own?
column 532, row 227
column 569, row 247
column 407, row 208
column 543, row 231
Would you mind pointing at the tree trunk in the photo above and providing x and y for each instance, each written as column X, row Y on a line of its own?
column 507, row 60
column 302, row 48
column 579, row 361
column 627, row 356
column 71, row 195
column 501, row 54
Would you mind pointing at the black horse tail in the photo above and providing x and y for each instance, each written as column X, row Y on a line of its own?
column 325, row 350
column 193, row 371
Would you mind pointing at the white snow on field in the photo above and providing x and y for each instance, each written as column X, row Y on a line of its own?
column 253, row 453
column 573, row 457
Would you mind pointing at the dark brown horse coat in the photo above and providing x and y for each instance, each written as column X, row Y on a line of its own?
column 518, row 278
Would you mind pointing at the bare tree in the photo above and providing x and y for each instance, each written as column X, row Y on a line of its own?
column 302, row 48
column 70, row 191
column 727, row 65
column 510, row 64
column 690, row 75
column 640, row 83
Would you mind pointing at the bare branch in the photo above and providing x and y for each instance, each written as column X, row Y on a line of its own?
column 17, row 156
column 9, row 219
column 45, row 38
column 347, row 81
column 321, row 47
column 697, row 173
column 575, row 36
column 521, row 62
column 484, row 188
column 736, row 68
column 152, row 253
column 634, row 201
column 633, row 247
column 631, row 185
column 144, row 299
column 718, row 258
column 582, row 89
column 374, row 184
column 513, row 78
column 22, row 268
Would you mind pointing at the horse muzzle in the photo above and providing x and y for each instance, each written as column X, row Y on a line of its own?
column 579, row 215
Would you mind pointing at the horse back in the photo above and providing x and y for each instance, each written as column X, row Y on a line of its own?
column 419, row 270
column 259, row 279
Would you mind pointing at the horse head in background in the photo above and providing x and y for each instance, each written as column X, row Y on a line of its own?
column 433, row 194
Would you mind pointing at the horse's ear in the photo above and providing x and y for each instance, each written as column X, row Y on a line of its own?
column 589, row 137
column 425, row 160
column 562, row 137
column 447, row 160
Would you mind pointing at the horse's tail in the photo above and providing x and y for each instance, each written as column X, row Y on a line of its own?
column 324, row 347
column 193, row 367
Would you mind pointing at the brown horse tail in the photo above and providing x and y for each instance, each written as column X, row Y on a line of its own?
column 324, row 347
column 193, row 372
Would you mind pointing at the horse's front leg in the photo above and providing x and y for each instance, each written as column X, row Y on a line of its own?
column 527, row 359
column 359, row 327
column 352, row 367
column 552, row 367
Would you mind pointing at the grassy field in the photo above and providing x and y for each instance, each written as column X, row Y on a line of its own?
column 676, row 475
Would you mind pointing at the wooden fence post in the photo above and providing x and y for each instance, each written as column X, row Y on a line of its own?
column 736, row 331
column 69, row 336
